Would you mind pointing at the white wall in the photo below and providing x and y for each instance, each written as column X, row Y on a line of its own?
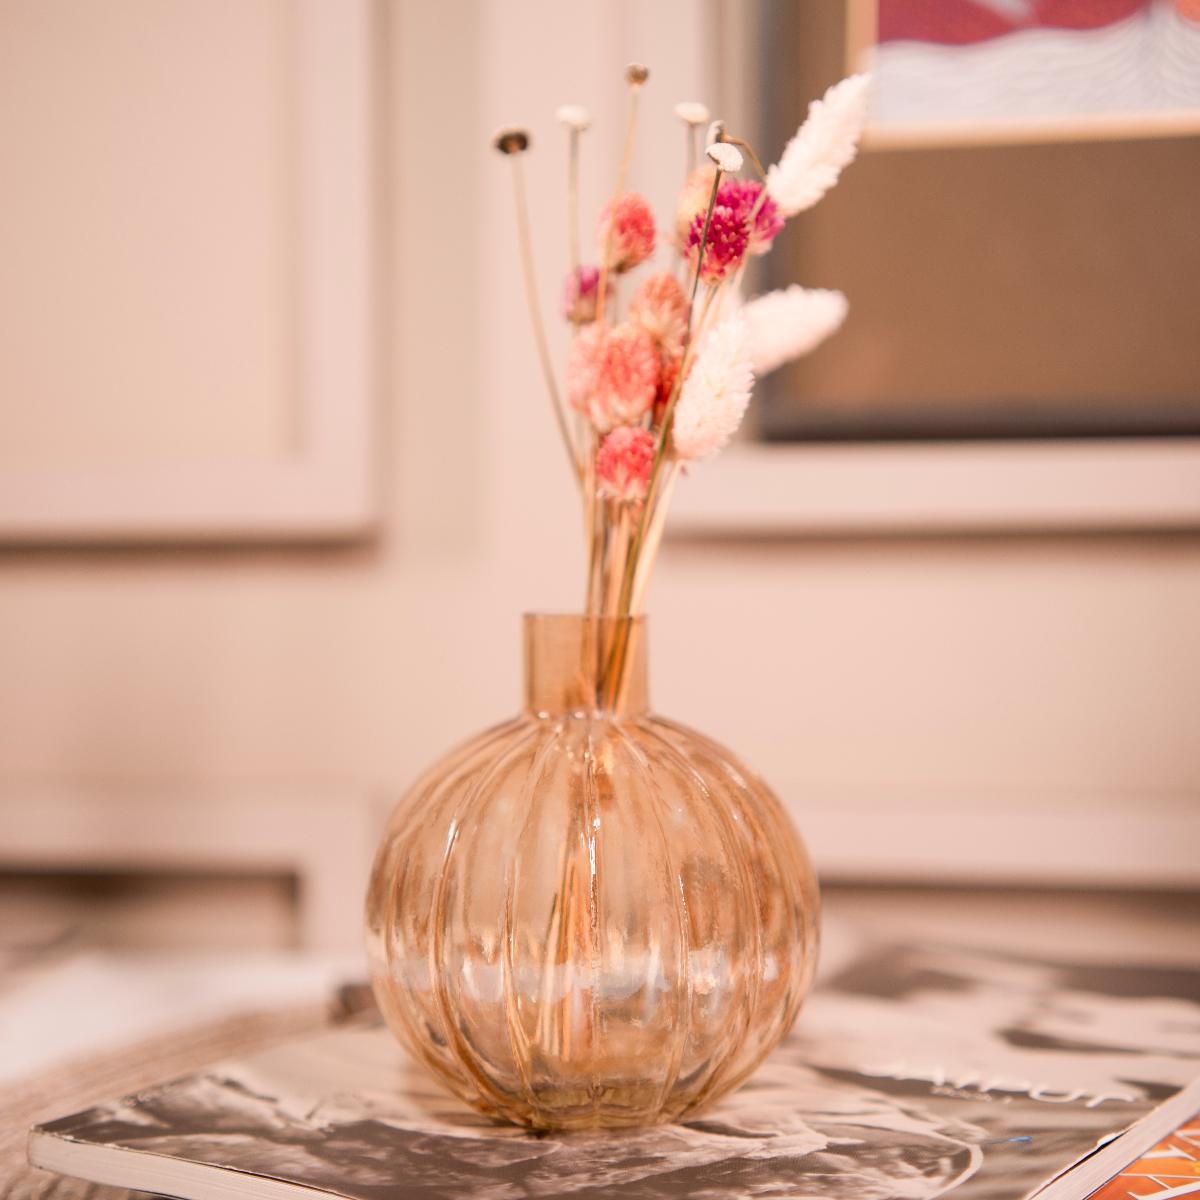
column 1000, row 706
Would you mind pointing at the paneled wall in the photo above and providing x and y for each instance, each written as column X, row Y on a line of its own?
column 977, row 708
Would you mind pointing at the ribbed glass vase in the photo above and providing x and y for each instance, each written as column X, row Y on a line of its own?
column 590, row 916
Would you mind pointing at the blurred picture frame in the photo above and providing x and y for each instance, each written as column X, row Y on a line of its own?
column 980, row 72
column 898, row 425
column 289, row 456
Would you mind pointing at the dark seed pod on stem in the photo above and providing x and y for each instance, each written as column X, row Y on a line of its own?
column 511, row 141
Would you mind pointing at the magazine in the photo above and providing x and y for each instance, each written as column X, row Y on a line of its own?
column 1170, row 1169
column 915, row 1070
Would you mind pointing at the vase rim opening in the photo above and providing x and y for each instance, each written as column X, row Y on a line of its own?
column 581, row 664
column 580, row 618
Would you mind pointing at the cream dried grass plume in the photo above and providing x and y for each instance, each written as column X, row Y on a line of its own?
column 785, row 324
column 822, row 147
column 715, row 395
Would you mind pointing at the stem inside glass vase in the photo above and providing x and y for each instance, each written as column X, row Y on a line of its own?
column 570, row 662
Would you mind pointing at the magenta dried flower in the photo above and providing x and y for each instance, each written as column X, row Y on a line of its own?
column 742, row 195
column 580, row 292
column 725, row 247
column 736, row 228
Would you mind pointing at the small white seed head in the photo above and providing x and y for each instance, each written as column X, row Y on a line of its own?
column 574, row 117
column 727, row 157
column 692, row 112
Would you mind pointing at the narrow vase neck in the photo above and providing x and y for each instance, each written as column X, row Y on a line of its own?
column 579, row 664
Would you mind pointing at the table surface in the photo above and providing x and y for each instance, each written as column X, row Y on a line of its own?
column 153, row 1015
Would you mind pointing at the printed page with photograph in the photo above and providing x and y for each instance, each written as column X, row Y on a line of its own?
column 915, row 1070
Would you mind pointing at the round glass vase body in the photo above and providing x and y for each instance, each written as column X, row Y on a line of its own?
column 590, row 916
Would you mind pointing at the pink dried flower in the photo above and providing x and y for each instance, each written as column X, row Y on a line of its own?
column 666, row 385
column 623, row 463
column 612, row 374
column 580, row 294
column 660, row 307
column 625, row 234
column 725, row 247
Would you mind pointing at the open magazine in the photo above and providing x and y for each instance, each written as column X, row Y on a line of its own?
column 915, row 1070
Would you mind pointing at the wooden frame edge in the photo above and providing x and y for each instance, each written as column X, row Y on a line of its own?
column 951, row 487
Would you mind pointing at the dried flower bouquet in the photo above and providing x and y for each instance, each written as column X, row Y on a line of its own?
column 667, row 382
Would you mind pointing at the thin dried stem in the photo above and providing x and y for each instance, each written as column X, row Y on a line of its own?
column 535, row 315
column 593, row 524
column 658, row 520
column 660, row 450
column 749, row 149
column 616, row 665
column 706, row 307
column 619, row 549
column 573, row 202
column 752, row 216
column 635, row 87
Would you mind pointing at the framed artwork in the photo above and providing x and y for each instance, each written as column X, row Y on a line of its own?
column 1020, row 351
column 186, row 304
column 952, row 72
column 999, row 289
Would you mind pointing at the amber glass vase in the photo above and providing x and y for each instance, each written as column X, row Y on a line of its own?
column 589, row 915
